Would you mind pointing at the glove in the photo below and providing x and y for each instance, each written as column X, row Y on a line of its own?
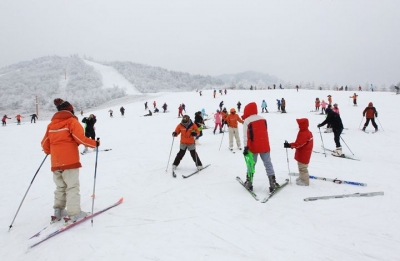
column 97, row 143
column 245, row 151
column 319, row 126
column 376, row 115
column 194, row 134
column 174, row 134
column 286, row 145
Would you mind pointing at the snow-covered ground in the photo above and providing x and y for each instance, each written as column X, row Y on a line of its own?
column 210, row 216
column 112, row 78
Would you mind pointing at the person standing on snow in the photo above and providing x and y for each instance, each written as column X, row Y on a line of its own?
column 323, row 106
column 18, row 117
column 278, row 102
column 63, row 136
column 145, row 106
column 89, row 128
column 264, row 106
column 232, row 121
column 221, row 104
column 370, row 113
column 304, row 144
column 122, row 110
column 255, row 137
column 199, row 121
column 165, row 106
column 218, row 122
column 336, row 124
column 4, row 120
column 354, row 99
column 111, row 113
column 188, row 131
column 238, row 106
column 283, row 105
column 180, row 109
column 317, row 104
column 34, row 117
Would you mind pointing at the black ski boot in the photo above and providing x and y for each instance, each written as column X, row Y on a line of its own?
column 248, row 184
column 272, row 183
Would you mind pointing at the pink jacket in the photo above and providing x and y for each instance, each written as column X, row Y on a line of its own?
column 218, row 117
column 323, row 104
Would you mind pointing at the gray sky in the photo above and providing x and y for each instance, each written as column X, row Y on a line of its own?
column 325, row 41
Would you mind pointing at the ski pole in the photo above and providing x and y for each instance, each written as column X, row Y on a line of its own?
column 361, row 122
column 346, row 145
column 222, row 138
column 27, row 192
column 287, row 159
column 94, row 180
column 173, row 138
column 320, row 134
column 380, row 123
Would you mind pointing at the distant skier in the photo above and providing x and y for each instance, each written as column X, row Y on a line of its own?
column 221, row 104
column 4, row 120
column 180, row 109
column 149, row 114
column 264, row 106
column 34, row 117
column 154, row 104
column 323, row 106
column 204, row 114
column 89, row 128
column 111, row 113
column 122, row 110
column 370, row 113
column 165, row 106
column 199, row 121
column 354, row 99
column 218, row 122
column 283, row 105
column 317, row 104
column 183, row 107
column 278, row 103
column 232, row 121
column 156, row 110
column 18, row 117
column 145, row 106
column 238, row 106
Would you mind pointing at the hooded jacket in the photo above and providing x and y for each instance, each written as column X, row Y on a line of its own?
column 370, row 112
column 63, row 136
column 185, row 131
column 255, row 131
column 304, row 142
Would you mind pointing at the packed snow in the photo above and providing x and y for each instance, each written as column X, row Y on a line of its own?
column 210, row 216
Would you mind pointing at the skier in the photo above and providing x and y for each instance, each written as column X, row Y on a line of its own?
column 303, row 145
column 278, row 102
column 354, row 99
column 397, row 89
column 255, row 137
column 18, row 117
column 317, row 104
column 145, row 106
column 218, row 121
column 224, row 114
column 370, row 113
column 329, row 99
column 111, row 113
column 323, row 106
column 199, row 121
column 63, row 136
column 264, row 106
column 4, row 120
column 188, row 131
column 215, row 92
column 238, row 106
column 165, row 106
column 232, row 121
column 283, row 105
column 180, row 109
column 122, row 110
column 156, row 110
column 34, row 117
column 200, row 93
column 89, row 128
column 221, row 104
column 337, row 127
column 154, row 104
column 203, row 113
column 183, row 107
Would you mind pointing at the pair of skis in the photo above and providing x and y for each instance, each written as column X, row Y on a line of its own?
column 271, row 194
column 342, row 156
column 336, row 181
column 65, row 228
column 83, row 153
column 191, row 174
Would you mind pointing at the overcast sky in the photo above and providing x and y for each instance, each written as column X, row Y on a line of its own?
column 325, row 41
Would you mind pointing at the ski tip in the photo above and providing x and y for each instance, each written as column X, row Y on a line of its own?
column 121, row 200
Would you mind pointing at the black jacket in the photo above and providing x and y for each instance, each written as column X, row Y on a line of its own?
column 334, row 119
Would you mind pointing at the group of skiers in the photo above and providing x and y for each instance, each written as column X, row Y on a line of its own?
column 18, row 118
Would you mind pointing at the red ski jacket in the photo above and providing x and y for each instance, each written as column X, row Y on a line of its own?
column 304, row 142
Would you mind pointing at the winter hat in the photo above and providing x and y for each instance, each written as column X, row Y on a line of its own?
column 335, row 105
column 185, row 120
column 232, row 110
column 63, row 105
column 217, row 110
column 370, row 104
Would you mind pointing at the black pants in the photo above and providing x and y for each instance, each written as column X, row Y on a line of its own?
column 372, row 121
column 193, row 153
column 90, row 134
column 336, row 136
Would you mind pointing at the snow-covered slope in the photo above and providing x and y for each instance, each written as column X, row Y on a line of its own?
column 112, row 77
column 210, row 216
